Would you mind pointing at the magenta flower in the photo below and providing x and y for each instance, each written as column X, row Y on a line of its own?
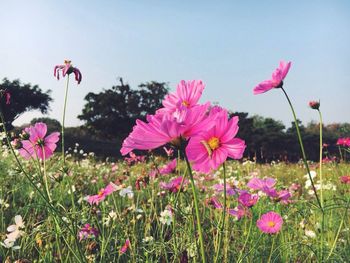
column 39, row 146
column 102, row 194
column 210, row 148
column 174, row 184
column 87, row 231
column 219, row 188
column 238, row 212
column 264, row 185
column 314, row 105
column 125, row 247
column 67, row 68
column 247, row 199
column 276, row 80
column 345, row 179
column 214, row 202
column 187, row 95
column 168, row 168
column 270, row 223
column 344, row 142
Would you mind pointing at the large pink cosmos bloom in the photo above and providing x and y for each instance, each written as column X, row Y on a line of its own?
column 270, row 223
column 276, row 80
column 67, row 68
column 165, row 127
column 39, row 146
column 102, row 194
column 187, row 95
column 209, row 149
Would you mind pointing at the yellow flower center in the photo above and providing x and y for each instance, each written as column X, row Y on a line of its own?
column 214, row 143
column 185, row 103
column 271, row 224
column 100, row 193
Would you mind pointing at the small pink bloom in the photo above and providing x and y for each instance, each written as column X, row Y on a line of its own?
column 344, row 142
column 214, row 202
column 314, row 105
column 276, row 80
column 67, row 68
column 87, row 231
column 247, row 199
column 37, row 145
column 345, row 179
column 270, row 223
column 168, row 168
column 8, row 97
column 210, row 148
column 125, row 247
column 102, row 194
column 239, row 212
column 169, row 152
column 174, row 184
column 261, row 184
column 187, row 95
column 219, row 188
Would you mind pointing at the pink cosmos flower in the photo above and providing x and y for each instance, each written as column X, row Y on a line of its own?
column 39, row 146
column 247, row 199
column 270, row 223
column 168, row 168
column 87, row 231
column 125, row 247
column 210, row 148
column 261, row 184
column 67, row 68
column 344, row 142
column 214, row 202
column 276, row 80
column 174, row 184
column 345, row 179
column 187, row 95
column 102, row 194
column 315, row 105
column 219, row 188
column 239, row 212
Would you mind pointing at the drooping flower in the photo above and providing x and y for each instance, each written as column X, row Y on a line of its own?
column 270, row 223
column 187, row 95
column 39, row 146
column 102, row 194
column 67, row 68
column 276, row 80
column 168, row 168
column 174, row 185
column 315, row 105
column 87, row 231
column 125, row 247
column 210, row 148
column 247, row 199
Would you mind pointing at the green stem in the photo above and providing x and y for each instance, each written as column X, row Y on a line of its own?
column 273, row 244
column 321, row 155
column 223, row 217
column 302, row 150
column 246, row 241
column 199, row 226
column 45, row 176
column 64, row 117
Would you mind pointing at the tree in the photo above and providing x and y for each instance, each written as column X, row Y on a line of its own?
column 24, row 97
column 112, row 113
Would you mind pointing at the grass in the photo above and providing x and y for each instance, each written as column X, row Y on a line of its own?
column 52, row 236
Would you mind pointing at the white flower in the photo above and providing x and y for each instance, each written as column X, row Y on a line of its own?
column 148, row 239
column 312, row 173
column 127, row 192
column 15, row 232
column 310, row 233
column 166, row 217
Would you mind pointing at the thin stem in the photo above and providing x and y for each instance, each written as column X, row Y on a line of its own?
column 45, row 176
column 321, row 155
column 273, row 244
column 64, row 117
column 223, row 217
column 199, row 226
column 302, row 149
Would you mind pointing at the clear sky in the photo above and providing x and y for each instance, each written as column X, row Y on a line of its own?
column 230, row 45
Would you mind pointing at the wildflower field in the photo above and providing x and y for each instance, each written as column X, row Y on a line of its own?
column 184, row 192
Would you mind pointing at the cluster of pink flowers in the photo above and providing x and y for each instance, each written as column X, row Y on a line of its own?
column 87, row 231
column 206, row 132
column 267, row 187
column 133, row 159
column 36, row 144
column 345, row 142
column 102, row 194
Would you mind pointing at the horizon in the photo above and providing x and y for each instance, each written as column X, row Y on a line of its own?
column 230, row 46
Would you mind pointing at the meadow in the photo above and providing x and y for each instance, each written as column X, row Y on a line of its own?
column 200, row 201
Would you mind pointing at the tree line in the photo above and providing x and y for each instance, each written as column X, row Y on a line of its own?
column 109, row 116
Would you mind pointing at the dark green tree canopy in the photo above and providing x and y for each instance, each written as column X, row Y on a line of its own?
column 24, row 97
column 112, row 113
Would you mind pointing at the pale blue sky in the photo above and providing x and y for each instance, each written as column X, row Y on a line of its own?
column 230, row 45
